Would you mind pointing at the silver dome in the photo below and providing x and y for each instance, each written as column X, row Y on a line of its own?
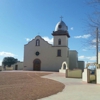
column 61, row 26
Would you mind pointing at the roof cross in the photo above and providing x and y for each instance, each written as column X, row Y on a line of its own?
column 38, row 33
column 61, row 18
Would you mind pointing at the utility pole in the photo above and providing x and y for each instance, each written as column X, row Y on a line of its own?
column 97, row 45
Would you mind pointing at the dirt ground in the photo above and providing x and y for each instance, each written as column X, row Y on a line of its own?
column 27, row 86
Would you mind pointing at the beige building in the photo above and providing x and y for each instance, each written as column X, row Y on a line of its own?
column 40, row 55
column 17, row 66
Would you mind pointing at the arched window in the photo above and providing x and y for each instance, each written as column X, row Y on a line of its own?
column 59, row 42
column 37, row 42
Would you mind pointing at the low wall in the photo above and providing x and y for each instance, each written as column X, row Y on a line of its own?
column 62, row 70
column 77, row 73
column 98, row 76
column 0, row 68
column 9, row 68
column 92, row 77
column 86, row 75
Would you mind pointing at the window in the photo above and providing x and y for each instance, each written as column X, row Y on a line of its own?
column 59, row 26
column 37, row 42
column 59, row 42
column 59, row 53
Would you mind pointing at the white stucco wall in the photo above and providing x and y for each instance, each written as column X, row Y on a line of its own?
column 73, row 59
column 48, row 55
column 62, row 70
column 98, row 76
column 98, row 57
column 86, row 75
column 19, row 64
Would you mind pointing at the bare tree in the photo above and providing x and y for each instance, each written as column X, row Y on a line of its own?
column 94, row 26
column 93, row 23
column 94, row 18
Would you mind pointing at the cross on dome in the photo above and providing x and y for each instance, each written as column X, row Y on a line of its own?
column 61, row 18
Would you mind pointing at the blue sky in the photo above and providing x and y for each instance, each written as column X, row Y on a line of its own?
column 22, row 20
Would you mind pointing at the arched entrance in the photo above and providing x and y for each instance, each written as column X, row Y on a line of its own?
column 64, row 65
column 16, row 67
column 37, row 65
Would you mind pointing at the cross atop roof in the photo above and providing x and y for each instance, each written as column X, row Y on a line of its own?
column 38, row 33
column 61, row 18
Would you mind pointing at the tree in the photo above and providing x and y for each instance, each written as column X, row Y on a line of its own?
column 93, row 22
column 94, row 18
column 8, row 61
column 94, row 26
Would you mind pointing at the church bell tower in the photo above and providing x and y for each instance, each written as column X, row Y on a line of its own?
column 60, row 34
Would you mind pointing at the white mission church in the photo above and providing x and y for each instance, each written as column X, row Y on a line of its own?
column 39, row 55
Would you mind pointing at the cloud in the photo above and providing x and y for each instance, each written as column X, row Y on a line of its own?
column 72, row 28
column 8, row 54
column 84, row 49
column 91, row 58
column 92, row 47
column 90, row 67
column 92, row 44
column 45, row 38
column 83, row 36
column 48, row 40
column 28, row 39
column 81, row 57
column 94, row 40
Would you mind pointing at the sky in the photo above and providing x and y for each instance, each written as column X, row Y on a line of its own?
column 23, row 20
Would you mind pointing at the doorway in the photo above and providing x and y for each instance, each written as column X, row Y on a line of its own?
column 37, row 65
column 16, row 67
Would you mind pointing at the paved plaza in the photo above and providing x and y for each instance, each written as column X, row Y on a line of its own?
column 74, row 89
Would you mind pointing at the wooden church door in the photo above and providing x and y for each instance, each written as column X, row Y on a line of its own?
column 36, row 65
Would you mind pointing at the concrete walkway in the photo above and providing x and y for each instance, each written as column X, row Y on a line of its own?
column 74, row 89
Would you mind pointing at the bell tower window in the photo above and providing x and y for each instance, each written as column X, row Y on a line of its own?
column 37, row 42
column 59, row 42
column 59, row 53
